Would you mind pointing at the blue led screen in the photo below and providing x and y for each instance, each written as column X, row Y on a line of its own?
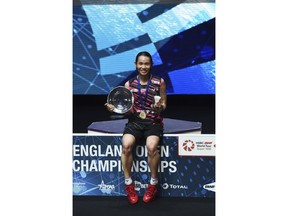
column 180, row 38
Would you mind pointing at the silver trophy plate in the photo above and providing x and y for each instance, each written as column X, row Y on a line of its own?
column 122, row 98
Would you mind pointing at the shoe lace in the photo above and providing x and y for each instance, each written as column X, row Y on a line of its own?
column 130, row 191
column 150, row 190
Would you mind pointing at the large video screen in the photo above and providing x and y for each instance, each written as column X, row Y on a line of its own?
column 179, row 36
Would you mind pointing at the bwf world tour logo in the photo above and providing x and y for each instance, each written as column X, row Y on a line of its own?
column 196, row 145
column 188, row 145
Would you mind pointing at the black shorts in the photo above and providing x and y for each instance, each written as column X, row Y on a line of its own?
column 143, row 129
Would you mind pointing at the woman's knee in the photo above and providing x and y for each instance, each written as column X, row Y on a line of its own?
column 152, row 148
column 128, row 143
column 126, row 149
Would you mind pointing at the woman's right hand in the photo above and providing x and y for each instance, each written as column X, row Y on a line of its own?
column 109, row 107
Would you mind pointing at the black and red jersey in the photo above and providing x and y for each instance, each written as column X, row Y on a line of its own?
column 153, row 89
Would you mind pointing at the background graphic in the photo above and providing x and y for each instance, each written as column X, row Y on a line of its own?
column 179, row 36
column 185, row 176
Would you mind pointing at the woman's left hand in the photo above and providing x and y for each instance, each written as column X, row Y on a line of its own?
column 157, row 107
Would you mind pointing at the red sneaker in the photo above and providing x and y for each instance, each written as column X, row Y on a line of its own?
column 131, row 193
column 150, row 193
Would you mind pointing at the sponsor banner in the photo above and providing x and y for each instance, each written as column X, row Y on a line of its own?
column 196, row 145
column 97, row 168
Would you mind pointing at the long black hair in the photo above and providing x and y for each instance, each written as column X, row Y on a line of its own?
column 144, row 53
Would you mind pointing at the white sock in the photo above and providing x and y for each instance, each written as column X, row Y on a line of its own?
column 153, row 181
column 128, row 181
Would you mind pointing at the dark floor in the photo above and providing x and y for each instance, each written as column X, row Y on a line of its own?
column 162, row 206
